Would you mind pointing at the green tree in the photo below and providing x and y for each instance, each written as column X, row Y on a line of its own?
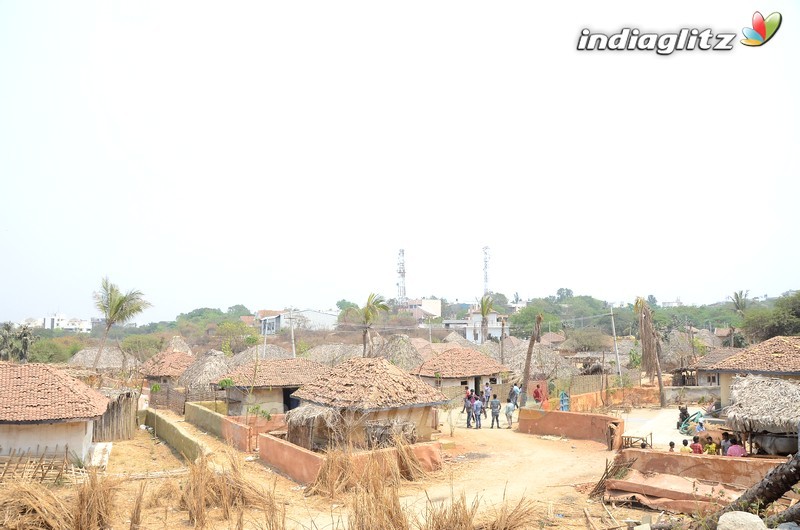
column 142, row 347
column 235, row 335
column 486, row 306
column 651, row 300
column 783, row 319
column 563, row 294
column 116, row 308
column 7, row 341
column 239, row 310
column 25, row 338
column 366, row 316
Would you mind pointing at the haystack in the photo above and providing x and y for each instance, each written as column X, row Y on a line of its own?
column 764, row 404
column 205, row 371
column 112, row 358
column 399, row 351
column 262, row 352
column 333, row 354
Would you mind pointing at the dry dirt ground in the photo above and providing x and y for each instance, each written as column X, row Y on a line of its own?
column 488, row 464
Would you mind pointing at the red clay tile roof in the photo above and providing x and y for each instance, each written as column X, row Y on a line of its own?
column 553, row 338
column 167, row 364
column 776, row 355
column 247, row 319
column 42, row 393
column 714, row 356
column 369, row 383
column 264, row 313
column 279, row 372
column 457, row 363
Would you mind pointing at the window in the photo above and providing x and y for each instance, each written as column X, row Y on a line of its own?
column 492, row 380
column 464, row 383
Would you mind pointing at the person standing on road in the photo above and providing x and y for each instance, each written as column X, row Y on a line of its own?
column 468, row 400
column 510, row 406
column 477, row 409
column 725, row 443
column 466, row 397
column 538, row 395
column 515, row 398
column 495, row 406
column 696, row 447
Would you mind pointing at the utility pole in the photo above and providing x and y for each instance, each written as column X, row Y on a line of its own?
column 485, row 270
column 291, row 320
column 430, row 330
column 616, row 349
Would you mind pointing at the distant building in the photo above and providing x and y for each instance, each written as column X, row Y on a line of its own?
column 309, row 319
column 431, row 306
column 494, row 329
column 58, row 321
column 676, row 303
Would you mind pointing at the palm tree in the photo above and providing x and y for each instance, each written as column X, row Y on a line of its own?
column 7, row 338
column 651, row 345
column 536, row 336
column 368, row 315
column 739, row 300
column 486, row 307
column 117, row 308
column 25, row 337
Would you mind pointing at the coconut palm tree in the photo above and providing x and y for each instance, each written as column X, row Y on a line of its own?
column 536, row 336
column 116, row 308
column 651, row 345
column 368, row 315
column 25, row 337
column 486, row 307
column 7, row 339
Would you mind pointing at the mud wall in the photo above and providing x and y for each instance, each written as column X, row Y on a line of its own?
column 303, row 466
column 742, row 471
column 576, row 425
column 231, row 429
column 174, row 436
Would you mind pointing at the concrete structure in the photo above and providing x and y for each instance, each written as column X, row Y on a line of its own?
column 43, row 410
column 58, row 321
column 239, row 431
column 431, row 306
column 494, row 330
column 309, row 319
column 268, row 385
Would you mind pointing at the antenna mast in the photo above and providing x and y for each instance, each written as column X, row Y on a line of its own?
column 485, row 270
column 402, row 301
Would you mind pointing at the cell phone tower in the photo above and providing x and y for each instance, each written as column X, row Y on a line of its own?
column 485, row 270
column 402, row 301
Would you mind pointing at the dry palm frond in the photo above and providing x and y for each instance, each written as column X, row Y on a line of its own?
column 409, row 465
column 30, row 505
column 336, row 474
column 764, row 404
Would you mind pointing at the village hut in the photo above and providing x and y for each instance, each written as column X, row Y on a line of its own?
column 177, row 343
column 461, row 367
column 118, row 422
column 266, row 352
column 204, row 373
column 455, row 338
column 269, row 384
column 399, row 351
column 111, row 358
column 546, row 363
column 42, row 409
column 369, row 395
column 426, row 349
column 765, row 408
column 166, row 367
column 333, row 354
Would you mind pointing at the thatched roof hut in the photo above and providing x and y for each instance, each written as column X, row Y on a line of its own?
column 455, row 338
column 112, row 358
column 264, row 352
column 277, row 373
column 459, row 363
column 314, row 427
column 399, row 351
column 177, row 343
column 369, row 384
column 764, row 404
column 166, row 365
column 333, row 354
column 206, row 370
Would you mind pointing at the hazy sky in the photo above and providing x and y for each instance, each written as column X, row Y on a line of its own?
column 281, row 153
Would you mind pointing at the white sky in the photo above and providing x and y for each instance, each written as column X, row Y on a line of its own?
column 281, row 153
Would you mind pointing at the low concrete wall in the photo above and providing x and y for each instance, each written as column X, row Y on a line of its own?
column 231, row 429
column 741, row 471
column 692, row 394
column 303, row 466
column 174, row 436
column 576, row 425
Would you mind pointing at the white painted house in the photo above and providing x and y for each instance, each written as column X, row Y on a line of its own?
column 309, row 319
column 495, row 328
column 42, row 408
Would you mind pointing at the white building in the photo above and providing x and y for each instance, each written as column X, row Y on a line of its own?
column 431, row 306
column 494, row 330
column 308, row 319
column 59, row 321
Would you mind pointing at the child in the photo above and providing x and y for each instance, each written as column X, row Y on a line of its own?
column 510, row 407
column 710, row 448
column 685, row 448
column 672, row 447
column 725, row 444
column 696, row 447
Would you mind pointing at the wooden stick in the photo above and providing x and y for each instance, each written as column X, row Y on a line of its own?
column 610, row 515
column 589, row 519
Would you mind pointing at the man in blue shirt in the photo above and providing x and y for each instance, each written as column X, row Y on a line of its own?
column 478, row 408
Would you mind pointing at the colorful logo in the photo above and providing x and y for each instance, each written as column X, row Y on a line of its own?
column 762, row 30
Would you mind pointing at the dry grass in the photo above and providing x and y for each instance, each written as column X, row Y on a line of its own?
column 32, row 506
column 377, row 508
column 506, row 517
column 166, row 494
column 224, row 486
column 94, row 505
column 336, row 474
column 455, row 515
column 136, row 513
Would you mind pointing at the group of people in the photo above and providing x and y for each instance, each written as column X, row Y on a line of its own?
column 475, row 406
column 729, row 446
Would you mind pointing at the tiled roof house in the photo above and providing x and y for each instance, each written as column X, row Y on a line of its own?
column 461, row 367
column 41, row 408
column 270, row 383
column 776, row 357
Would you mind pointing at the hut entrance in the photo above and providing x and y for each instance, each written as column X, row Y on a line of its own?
column 290, row 403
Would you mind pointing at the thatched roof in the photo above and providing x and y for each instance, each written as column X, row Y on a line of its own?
column 333, row 354
column 277, row 373
column 713, row 357
column 459, row 363
column 778, row 355
column 206, row 370
column 308, row 412
column 764, row 404
column 367, row 384
column 265, row 352
column 545, row 361
column 112, row 358
column 455, row 338
column 177, row 343
column 399, row 351
column 167, row 364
